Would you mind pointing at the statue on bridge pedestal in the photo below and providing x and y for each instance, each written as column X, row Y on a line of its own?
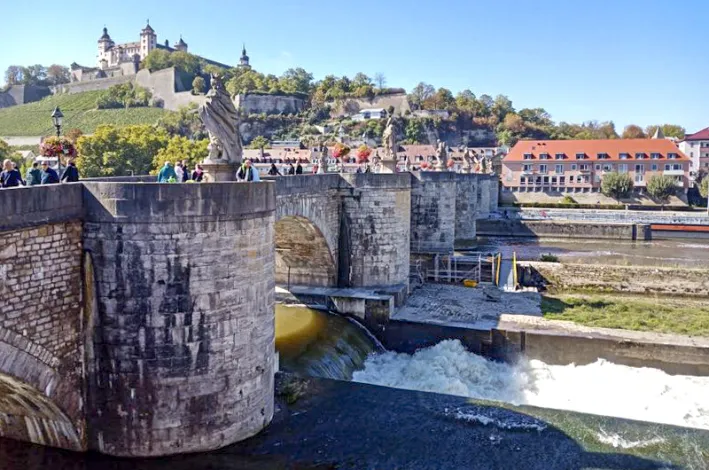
column 442, row 156
column 467, row 161
column 389, row 160
column 221, row 119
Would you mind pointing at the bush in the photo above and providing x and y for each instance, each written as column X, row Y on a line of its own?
column 568, row 200
column 198, row 85
column 704, row 187
column 616, row 185
column 549, row 258
column 124, row 95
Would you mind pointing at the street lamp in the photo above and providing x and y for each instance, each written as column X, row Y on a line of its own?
column 57, row 118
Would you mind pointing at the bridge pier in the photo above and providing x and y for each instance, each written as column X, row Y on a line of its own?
column 183, row 344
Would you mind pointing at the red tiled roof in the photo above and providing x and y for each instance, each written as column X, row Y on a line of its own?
column 701, row 135
column 591, row 148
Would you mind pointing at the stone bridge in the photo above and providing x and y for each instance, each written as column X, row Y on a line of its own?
column 136, row 319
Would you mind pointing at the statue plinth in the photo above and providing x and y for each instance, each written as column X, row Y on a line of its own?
column 387, row 166
column 217, row 171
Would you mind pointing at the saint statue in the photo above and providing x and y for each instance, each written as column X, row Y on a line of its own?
column 221, row 120
column 389, row 140
column 467, row 161
column 442, row 156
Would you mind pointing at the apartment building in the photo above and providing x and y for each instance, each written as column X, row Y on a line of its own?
column 579, row 165
column 696, row 147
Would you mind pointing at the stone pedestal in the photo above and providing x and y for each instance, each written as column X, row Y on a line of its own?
column 387, row 166
column 219, row 171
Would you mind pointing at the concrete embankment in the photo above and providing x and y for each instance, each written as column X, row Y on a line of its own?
column 561, row 229
column 608, row 278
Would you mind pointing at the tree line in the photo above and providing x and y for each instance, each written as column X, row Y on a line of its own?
column 37, row 74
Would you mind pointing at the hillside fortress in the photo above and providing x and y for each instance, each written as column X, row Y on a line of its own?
column 115, row 60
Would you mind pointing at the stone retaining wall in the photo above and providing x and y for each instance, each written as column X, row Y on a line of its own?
column 612, row 216
column 558, row 229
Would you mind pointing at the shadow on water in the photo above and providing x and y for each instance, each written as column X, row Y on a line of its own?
column 356, row 426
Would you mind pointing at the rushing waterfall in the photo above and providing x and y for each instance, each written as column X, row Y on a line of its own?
column 601, row 388
column 315, row 343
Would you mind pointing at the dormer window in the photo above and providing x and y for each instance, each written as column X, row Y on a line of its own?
column 528, row 156
column 544, row 156
column 655, row 156
column 624, row 156
column 580, row 156
column 559, row 156
column 603, row 156
column 672, row 156
column 639, row 155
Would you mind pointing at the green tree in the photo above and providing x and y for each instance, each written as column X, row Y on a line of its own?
column 185, row 62
column 184, row 122
column 632, row 131
column 58, row 74
column 120, row 151
column 670, row 130
column 414, row 131
column 259, row 142
column 157, row 59
column 704, row 187
column 420, row 94
column 13, row 75
column 181, row 148
column 502, row 106
column 661, row 187
column 616, row 185
column 465, row 102
column 296, row 81
column 198, row 85
column 7, row 152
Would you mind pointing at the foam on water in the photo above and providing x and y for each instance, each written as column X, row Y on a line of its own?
column 601, row 388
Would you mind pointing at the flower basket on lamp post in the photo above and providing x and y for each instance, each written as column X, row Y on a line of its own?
column 340, row 152
column 57, row 147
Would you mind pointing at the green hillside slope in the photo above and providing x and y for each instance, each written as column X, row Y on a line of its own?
column 79, row 112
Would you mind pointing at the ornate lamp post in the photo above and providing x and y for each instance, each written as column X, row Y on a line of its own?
column 57, row 118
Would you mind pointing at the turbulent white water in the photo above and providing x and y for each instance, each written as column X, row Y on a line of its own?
column 601, row 388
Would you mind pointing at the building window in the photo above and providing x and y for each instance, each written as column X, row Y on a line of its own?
column 622, row 168
column 528, row 156
column 527, row 167
column 623, row 156
column 543, row 169
column 573, row 167
column 553, row 180
column 559, row 169
column 654, row 167
column 598, row 166
column 580, row 156
column 522, row 180
column 640, row 168
column 640, row 155
column 562, row 180
column 608, row 167
column 559, row 156
column 584, row 167
column 639, row 177
column 672, row 156
column 603, row 156
column 544, row 156
column 655, row 156
column 579, row 179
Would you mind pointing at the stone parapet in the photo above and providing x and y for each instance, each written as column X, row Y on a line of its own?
column 433, row 212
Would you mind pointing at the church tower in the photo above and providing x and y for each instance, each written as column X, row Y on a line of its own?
column 244, row 61
column 181, row 45
column 148, row 40
column 105, row 43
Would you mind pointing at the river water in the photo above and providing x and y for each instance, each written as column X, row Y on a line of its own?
column 325, row 345
column 671, row 253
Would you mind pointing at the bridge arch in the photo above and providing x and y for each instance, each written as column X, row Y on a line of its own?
column 303, row 256
column 28, row 392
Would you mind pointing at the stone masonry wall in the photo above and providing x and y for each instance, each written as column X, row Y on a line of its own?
column 40, row 312
column 558, row 229
column 433, row 212
column 182, row 357
column 482, row 209
column 375, row 230
column 466, row 187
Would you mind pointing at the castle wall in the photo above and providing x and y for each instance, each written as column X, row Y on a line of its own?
column 21, row 94
column 183, row 352
column 269, row 104
column 398, row 100
column 92, row 85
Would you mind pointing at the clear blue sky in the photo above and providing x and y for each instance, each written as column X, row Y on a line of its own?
column 629, row 61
